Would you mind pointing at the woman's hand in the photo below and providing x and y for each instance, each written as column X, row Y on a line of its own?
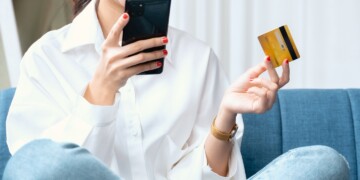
column 118, row 63
column 248, row 94
column 251, row 93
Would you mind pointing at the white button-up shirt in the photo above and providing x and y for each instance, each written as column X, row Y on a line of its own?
column 156, row 128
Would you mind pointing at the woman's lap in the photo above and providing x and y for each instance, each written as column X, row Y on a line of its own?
column 45, row 159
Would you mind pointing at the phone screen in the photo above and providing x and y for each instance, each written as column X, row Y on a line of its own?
column 148, row 19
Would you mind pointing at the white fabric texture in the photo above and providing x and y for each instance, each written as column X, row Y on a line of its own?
column 156, row 128
column 326, row 33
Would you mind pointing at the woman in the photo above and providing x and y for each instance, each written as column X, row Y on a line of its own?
column 79, row 85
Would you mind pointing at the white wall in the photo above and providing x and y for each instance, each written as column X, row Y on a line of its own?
column 21, row 23
column 10, row 41
column 327, row 34
column 4, row 79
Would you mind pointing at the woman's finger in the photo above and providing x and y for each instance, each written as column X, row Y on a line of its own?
column 285, row 77
column 140, row 58
column 261, row 82
column 141, row 45
column 117, row 53
column 261, row 103
column 272, row 72
column 258, row 91
column 270, row 95
column 142, row 68
column 113, row 38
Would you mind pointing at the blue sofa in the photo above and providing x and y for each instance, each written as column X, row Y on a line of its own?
column 298, row 118
column 6, row 97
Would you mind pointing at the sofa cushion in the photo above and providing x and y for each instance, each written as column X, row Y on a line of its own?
column 6, row 97
column 318, row 117
column 262, row 139
column 304, row 117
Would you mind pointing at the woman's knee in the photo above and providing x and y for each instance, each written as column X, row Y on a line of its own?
column 339, row 164
column 40, row 159
column 335, row 164
column 45, row 159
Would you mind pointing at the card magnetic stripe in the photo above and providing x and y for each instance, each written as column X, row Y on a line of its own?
column 287, row 42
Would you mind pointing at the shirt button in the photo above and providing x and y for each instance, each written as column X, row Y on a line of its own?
column 132, row 123
column 134, row 132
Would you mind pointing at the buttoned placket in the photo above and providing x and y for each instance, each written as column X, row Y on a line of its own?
column 134, row 132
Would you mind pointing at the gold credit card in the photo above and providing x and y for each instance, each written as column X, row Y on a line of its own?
column 279, row 45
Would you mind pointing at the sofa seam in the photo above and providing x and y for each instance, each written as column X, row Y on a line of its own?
column 353, row 122
column 281, row 125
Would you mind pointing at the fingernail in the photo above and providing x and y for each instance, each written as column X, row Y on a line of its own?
column 251, row 80
column 268, row 58
column 165, row 40
column 165, row 52
column 286, row 61
column 158, row 64
column 125, row 16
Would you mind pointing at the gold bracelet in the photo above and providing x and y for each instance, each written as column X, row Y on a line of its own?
column 223, row 135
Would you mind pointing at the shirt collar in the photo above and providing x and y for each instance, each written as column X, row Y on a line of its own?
column 84, row 30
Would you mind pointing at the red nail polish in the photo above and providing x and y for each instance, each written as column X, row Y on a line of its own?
column 165, row 40
column 165, row 52
column 286, row 61
column 125, row 16
column 158, row 64
column 268, row 58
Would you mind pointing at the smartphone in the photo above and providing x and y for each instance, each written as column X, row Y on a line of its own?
column 279, row 45
column 148, row 19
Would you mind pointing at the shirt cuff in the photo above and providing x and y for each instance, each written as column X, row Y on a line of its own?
column 96, row 115
column 83, row 119
column 240, row 132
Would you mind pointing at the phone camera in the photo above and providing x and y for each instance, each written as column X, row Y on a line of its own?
column 137, row 9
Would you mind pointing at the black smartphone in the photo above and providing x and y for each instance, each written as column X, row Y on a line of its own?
column 148, row 19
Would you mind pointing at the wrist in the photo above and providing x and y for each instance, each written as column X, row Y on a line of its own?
column 97, row 95
column 225, row 119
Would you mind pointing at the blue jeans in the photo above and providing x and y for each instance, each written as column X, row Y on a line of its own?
column 44, row 159
column 47, row 160
column 308, row 163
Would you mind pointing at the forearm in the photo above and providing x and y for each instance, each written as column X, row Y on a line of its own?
column 218, row 151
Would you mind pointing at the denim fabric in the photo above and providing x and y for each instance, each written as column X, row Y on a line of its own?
column 6, row 97
column 310, row 163
column 44, row 159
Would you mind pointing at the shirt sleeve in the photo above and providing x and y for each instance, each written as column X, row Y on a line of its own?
column 193, row 165
column 56, row 111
